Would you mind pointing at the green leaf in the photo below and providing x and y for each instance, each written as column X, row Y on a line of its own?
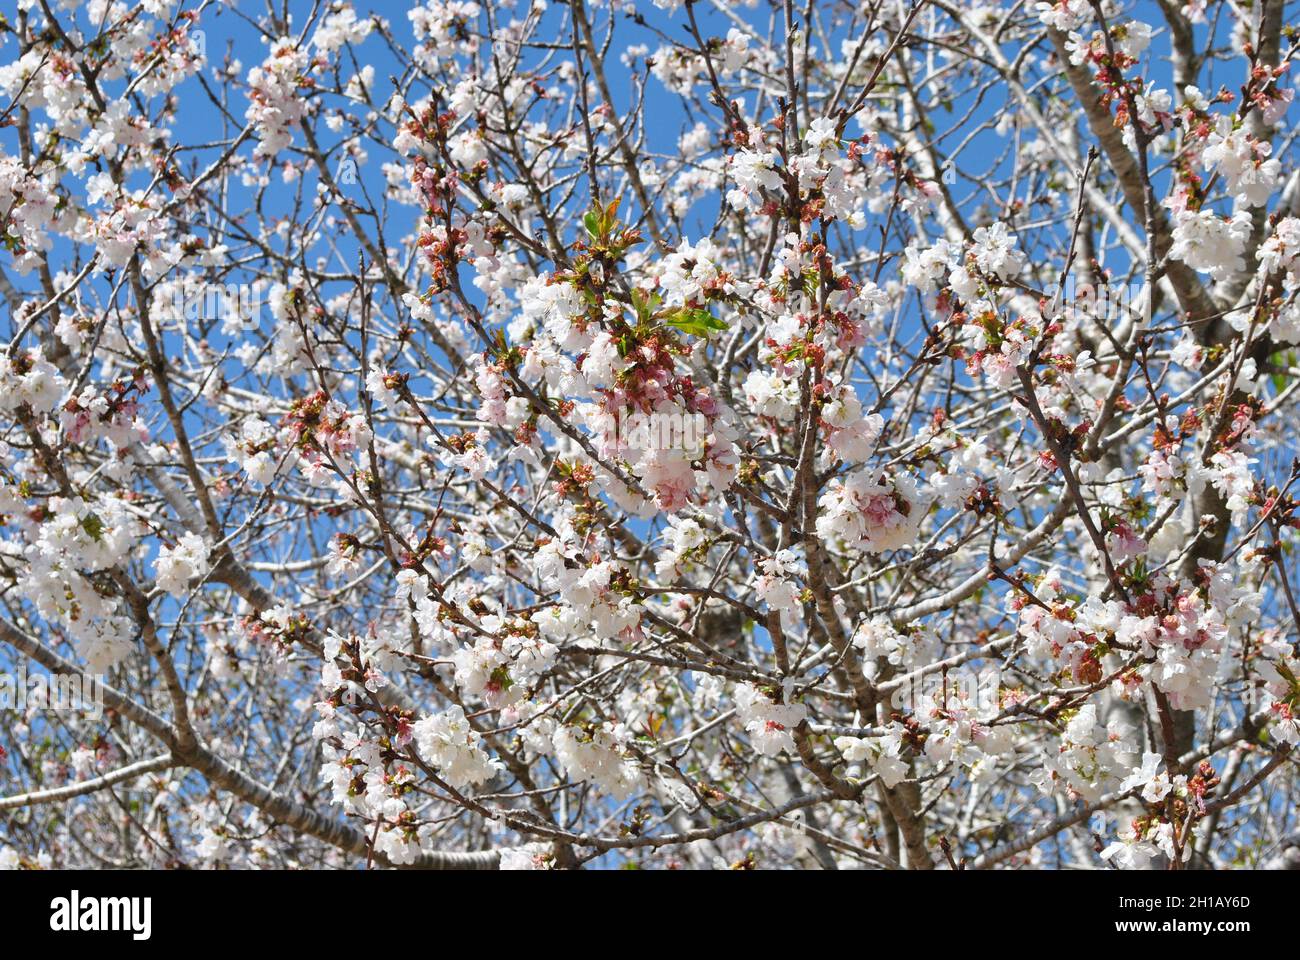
column 694, row 320
column 93, row 526
column 1281, row 359
column 645, row 305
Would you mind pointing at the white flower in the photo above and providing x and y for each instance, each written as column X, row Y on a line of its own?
column 753, row 172
column 1145, row 774
column 772, row 395
column 875, row 513
column 821, row 137
column 1243, row 162
column 995, row 251
column 769, row 724
column 379, row 389
column 340, row 27
column 854, row 749
column 448, row 742
column 276, row 105
column 1130, row 853
column 176, row 566
column 1082, row 729
column 924, row 267
column 599, row 758
column 28, row 378
column 602, row 362
column 1133, row 38
column 1210, row 243
column 889, row 766
column 891, row 770
column 854, row 435
column 1280, row 250
column 1064, row 15
column 529, row 857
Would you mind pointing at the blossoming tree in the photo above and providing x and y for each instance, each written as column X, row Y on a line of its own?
column 331, row 344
